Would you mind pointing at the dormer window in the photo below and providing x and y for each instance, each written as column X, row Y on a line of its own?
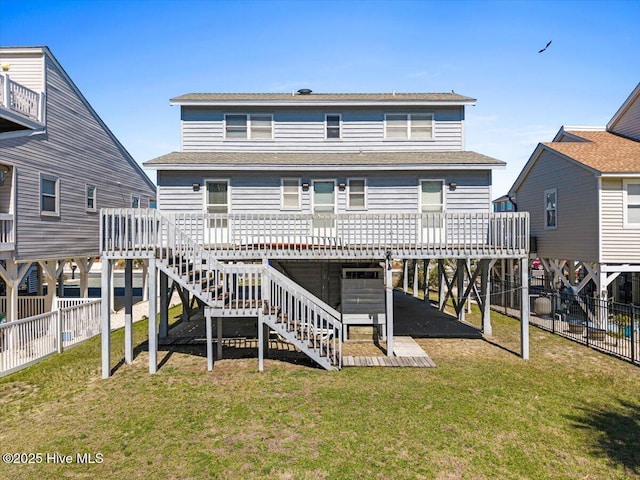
column 409, row 126
column 248, row 127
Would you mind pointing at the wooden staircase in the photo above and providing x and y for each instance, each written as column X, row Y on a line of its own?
column 230, row 290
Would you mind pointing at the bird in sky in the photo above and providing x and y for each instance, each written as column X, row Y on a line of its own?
column 546, row 46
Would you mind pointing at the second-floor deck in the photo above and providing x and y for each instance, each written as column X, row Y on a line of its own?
column 7, row 235
column 19, row 105
column 361, row 236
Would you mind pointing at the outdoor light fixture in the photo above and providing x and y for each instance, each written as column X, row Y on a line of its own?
column 342, row 186
column 453, row 185
column 305, row 187
column 196, row 187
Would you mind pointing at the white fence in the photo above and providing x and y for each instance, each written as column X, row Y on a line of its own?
column 27, row 306
column 24, row 342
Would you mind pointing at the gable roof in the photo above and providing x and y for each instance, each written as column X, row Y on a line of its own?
column 624, row 108
column 322, row 99
column 317, row 160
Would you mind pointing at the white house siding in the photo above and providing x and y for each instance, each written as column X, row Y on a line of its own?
column 385, row 193
column 577, row 234
column 629, row 123
column 77, row 150
column 620, row 244
column 203, row 130
column 25, row 68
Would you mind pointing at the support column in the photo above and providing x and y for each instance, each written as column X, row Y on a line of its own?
column 426, row 264
column 485, row 293
column 153, row 311
column 635, row 288
column 416, row 283
column 84, row 266
column 164, row 305
column 128, row 311
column 219, row 337
column 209, row 328
column 441, row 284
column 389, row 307
column 468, row 269
column 105, row 324
column 112, row 302
column 460, row 263
column 260, row 343
column 524, row 308
column 145, row 271
column 405, row 276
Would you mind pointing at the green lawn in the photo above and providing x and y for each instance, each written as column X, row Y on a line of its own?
column 569, row 412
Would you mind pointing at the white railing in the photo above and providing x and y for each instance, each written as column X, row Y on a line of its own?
column 349, row 235
column 6, row 232
column 316, row 324
column 19, row 98
column 24, row 342
column 63, row 303
column 27, row 306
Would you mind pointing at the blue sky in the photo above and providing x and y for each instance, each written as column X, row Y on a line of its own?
column 129, row 57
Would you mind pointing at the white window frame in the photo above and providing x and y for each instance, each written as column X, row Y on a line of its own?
column 364, row 193
column 326, row 126
column 282, row 193
column 442, row 189
column 625, row 202
column 138, row 198
column 56, row 180
column 553, row 191
column 409, row 136
column 313, row 193
column 87, row 197
column 249, row 126
column 205, row 199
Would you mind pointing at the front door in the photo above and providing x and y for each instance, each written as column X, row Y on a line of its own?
column 432, row 208
column 216, row 203
column 324, row 204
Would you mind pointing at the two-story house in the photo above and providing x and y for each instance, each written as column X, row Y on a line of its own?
column 324, row 190
column 582, row 191
column 59, row 165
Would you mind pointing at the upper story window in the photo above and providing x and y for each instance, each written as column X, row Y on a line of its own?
column 91, row 198
column 551, row 208
column 49, row 195
column 135, row 201
column 291, row 193
column 632, row 204
column 357, row 193
column 409, row 126
column 248, row 127
column 333, row 126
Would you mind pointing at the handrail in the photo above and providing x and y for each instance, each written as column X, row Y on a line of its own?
column 19, row 98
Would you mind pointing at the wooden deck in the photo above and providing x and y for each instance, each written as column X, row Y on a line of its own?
column 407, row 354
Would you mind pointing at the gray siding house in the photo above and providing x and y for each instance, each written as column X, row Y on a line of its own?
column 59, row 165
column 582, row 191
column 321, row 192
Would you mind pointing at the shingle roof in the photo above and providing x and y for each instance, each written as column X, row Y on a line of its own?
column 323, row 97
column 603, row 151
column 324, row 159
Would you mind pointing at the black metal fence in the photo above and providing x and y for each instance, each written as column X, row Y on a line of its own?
column 607, row 326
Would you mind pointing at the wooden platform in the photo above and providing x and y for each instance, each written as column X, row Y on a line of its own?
column 407, row 354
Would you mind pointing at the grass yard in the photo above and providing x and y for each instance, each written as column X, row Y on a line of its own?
column 483, row 413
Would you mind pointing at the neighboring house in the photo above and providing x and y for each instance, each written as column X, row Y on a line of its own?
column 582, row 191
column 504, row 203
column 59, row 165
column 323, row 189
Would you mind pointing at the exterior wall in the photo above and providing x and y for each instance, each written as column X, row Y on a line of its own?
column 576, row 236
column 322, row 279
column 620, row 244
column 396, row 192
column 203, row 130
column 629, row 124
column 77, row 150
column 25, row 68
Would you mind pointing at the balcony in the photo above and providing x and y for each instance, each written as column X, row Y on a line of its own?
column 20, row 107
column 361, row 236
column 7, row 235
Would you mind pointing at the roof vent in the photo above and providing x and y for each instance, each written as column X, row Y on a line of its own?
column 304, row 91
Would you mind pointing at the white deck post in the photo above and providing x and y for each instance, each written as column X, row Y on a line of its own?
column 389, row 307
column 426, row 267
column 441, row 284
column 405, row 276
column 460, row 263
column 260, row 343
column 106, row 292
column 468, row 263
column 153, row 311
column 128, row 311
column 164, row 305
column 416, row 288
column 524, row 308
column 145, row 268
column 485, row 292
column 209, row 328
column 112, row 297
